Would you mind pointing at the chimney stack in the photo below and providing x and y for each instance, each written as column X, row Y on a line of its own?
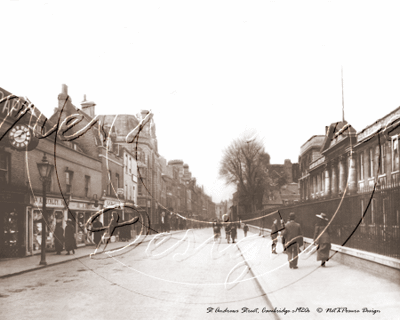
column 62, row 97
column 88, row 107
column 64, row 89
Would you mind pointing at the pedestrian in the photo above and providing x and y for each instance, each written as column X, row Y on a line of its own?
column 233, row 231
column 293, row 240
column 99, row 234
column 228, row 232
column 216, row 229
column 59, row 238
column 274, row 235
column 245, row 229
column 163, row 222
column 70, row 243
column 114, row 224
column 322, row 239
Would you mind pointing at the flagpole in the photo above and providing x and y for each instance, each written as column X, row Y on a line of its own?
column 342, row 98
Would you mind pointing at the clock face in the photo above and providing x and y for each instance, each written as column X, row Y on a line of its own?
column 20, row 136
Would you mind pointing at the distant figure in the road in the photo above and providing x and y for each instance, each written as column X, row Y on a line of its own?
column 322, row 239
column 70, row 243
column 59, row 238
column 245, row 229
column 228, row 232
column 233, row 231
column 216, row 229
column 293, row 240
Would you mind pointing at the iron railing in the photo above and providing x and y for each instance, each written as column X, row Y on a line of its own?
column 369, row 221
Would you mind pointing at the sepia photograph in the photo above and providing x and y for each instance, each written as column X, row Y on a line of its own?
column 199, row 160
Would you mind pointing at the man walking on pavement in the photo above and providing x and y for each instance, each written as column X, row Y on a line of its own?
column 293, row 240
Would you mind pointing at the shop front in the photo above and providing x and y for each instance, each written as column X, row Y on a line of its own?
column 12, row 224
column 55, row 212
column 80, row 212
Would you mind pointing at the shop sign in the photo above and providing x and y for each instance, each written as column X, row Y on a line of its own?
column 82, row 206
column 120, row 191
column 112, row 203
column 50, row 202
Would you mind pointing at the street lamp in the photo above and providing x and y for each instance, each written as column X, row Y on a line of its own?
column 44, row 168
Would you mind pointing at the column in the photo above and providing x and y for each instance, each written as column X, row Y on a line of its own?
column 334, row 179
column 352, row 173
column 314, row 185
column 327, row 182
column 342, row 174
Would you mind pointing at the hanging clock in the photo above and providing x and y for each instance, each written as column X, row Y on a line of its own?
column 20, row 136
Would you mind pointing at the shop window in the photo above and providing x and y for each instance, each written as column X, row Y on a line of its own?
column 10, row 232
column 4, row 168
column 395, row 154
column 87, row 184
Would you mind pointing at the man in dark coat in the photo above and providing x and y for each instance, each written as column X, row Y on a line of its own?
column 59, row 238
column 245, row 229
column 70, row 243
column 293, row 240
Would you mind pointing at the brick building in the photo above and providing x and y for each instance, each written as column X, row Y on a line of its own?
column 71, row 193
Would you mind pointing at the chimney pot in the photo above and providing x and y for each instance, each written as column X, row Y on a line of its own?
column 64, row 89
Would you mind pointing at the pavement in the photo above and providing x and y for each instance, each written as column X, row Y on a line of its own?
column 310, row 287
column 16, row 266
column 309, row 292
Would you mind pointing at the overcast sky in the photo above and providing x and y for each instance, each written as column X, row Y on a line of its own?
column 209, row 70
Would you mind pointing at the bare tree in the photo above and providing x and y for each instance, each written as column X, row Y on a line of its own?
column 245, row 164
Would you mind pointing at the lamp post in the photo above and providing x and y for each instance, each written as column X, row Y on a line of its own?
column 44, row 168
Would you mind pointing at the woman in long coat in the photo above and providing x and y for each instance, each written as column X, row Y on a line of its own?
column 59, row 238
column 322, row 239
column 70, row 243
